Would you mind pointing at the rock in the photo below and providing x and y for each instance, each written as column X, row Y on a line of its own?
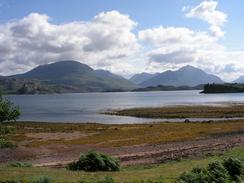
column 187, row 121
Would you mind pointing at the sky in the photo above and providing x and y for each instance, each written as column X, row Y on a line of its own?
column 124, row 36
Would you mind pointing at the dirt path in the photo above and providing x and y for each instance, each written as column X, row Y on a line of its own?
column 59, row 155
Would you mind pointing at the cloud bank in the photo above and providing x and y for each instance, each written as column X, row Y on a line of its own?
column 110, row 41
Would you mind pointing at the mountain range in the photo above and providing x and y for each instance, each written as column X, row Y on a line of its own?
column 185, row 76
column 67, row 76
column 239, row 80
column 140, row 78
column 74, row 77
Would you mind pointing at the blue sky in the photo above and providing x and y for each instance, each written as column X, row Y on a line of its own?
column 148, row 15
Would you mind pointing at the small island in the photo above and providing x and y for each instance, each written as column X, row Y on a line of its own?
column 223, row 88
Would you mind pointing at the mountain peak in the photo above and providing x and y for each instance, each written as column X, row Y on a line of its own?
column 187, row 75
column 239, row 80
column 188, row 68
column 57, row 70
column 74, row 76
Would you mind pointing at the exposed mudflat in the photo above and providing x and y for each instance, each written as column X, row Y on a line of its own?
column 59, row 155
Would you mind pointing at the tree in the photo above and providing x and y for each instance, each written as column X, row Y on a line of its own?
column 8, row 111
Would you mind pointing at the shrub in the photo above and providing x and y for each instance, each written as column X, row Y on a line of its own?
column 19, row 164
column 95, row 161
column 234, row 167
column 8, row 111
column 197, row 175
column 218, row 173
column 5, row 143
column 230, row 170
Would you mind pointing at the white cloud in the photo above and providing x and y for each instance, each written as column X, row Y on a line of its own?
column 109, row 41
column 173, row 47
column 207, row 11
column 34, row 40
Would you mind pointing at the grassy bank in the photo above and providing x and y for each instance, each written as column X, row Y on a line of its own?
column 35, row 134
column 168, row 171
column 184, row 112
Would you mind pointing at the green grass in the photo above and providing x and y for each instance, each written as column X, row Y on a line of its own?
column 169, row 171
column 189, row 111
column 19, row 164
column 4, row 143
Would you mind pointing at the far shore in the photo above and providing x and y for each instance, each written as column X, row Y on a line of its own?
column 195, row 112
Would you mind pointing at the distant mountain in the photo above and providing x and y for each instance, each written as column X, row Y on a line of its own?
column 72, row 76
column 185, row 76
column 139, row 78
column 239, row 80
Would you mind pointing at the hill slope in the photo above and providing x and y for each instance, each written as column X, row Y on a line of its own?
column 73, row 76
column 239, row 80
column 139, row 78
column 185, row 76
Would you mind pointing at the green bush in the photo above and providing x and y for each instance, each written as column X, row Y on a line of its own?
column 8, row 111
column 228, row 171
column 234, row 167
column 5, row 143
column 218, row 173
column 95, row 161
column 197, row 175
column 19, row 164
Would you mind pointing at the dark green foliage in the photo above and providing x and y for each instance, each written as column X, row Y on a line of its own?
column 95, row 161
column 169, row 88
column 19, row 164
column 223, row 88
column 8, row 111
column 11, row 181
column 217, row 173
column 228, row 171
column 197, row 175
column 234, row 167
column 5, row 143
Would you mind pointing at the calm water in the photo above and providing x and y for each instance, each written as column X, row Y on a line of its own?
column 85, row 107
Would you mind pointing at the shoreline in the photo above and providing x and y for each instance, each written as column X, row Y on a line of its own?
column 58, row 142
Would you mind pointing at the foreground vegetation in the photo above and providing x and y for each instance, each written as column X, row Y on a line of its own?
column 229, row 171
column 189, row 111
column 166, row 172
column 95, row 161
